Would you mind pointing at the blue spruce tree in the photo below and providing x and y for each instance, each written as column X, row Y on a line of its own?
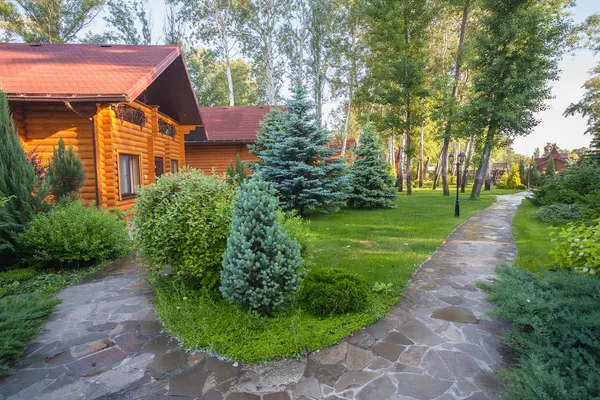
column 372, row 186
column 261, row 263
column 297, row 161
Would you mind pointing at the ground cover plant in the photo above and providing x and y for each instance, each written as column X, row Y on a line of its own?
column 556, row 320
column 383, row 246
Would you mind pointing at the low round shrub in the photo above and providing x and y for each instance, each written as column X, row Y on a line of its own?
column 327, row 292
column 558, row 212
column 17, row 274
column 183, row 220
column 578, row 247
column 72, row 234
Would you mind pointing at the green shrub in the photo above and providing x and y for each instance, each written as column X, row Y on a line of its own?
column 578, row 247
column 261, row 263
column 183, row 220
column 236, row 173
column 327, row 292
column 17, row 274
column 556, row 318
column 73, row 234
column 558, row 212
column 299, row 231
column 65, row 172
column 581, row 179
column 521, row 187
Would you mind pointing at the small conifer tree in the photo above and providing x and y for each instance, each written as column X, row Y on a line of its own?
column 271, row 124
column 514, row 177
column 372, row 186
column 550, row 168
column 65, row 172
column 17, row 185
column 522, row 172
column 236, row 173
column 261, row 263
column 297, row 161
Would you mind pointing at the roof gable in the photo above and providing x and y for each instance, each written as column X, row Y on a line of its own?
column 91, row 72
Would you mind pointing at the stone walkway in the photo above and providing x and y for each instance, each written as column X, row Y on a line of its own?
column 104, row 341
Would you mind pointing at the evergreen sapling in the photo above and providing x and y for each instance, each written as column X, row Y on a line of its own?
column 261, row 263
column 550, row 168
column 297, row 161
column 372, row 186
column 65, row 172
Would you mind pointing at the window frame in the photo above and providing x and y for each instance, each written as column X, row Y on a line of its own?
column 176, row 166
column 156, row 176
column 126, row 195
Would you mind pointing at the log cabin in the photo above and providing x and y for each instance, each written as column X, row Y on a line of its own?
column 225, row 133
column 125, row 110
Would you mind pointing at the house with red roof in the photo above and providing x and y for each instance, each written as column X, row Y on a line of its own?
column 125, row 110
column 561, row 161
column 225, row 133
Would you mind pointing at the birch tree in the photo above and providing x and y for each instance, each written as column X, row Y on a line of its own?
column 260, row 22
column 517, row 54
column 294, row 38
column 131, row 22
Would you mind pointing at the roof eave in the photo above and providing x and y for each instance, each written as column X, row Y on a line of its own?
column 67, row 97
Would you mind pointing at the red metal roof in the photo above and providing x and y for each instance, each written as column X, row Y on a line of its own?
column 79, row 72
column 235, row 124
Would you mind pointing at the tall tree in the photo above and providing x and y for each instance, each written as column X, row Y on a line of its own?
column 517, row 51
column 397, row 38
column 466, row 5
column 260, row 22
column 294, row 38
column 131, row 21
column 211, row 85
column 174, row 26
column 48, row 21
column 215, row 24
column 297, row 161
column 589, row 105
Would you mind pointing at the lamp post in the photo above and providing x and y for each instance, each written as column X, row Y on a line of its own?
column 459, row 162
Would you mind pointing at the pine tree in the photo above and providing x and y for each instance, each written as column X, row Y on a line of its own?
column 550, row 168
column 522, row 169
column 261, row 262
column 17, row 185
column 65, row 172
column 297, row 161
column 372, row 186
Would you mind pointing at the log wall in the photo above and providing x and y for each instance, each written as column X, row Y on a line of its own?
column 217, row 157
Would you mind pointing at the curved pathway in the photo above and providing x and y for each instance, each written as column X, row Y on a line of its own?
column 104, row 341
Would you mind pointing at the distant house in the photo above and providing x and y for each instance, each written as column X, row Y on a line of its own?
column 561, row 161
column 225, row 133
column 125, row 109
column 500, row 166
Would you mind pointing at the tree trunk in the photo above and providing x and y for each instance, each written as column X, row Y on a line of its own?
column 347, row 123
column 421, row 157
column 407, row 148
column 465, row 175
column 488, row 176
column 459, row 55
column 485, row 161
column 425, row 170
column 436, row 172
column 400, row 170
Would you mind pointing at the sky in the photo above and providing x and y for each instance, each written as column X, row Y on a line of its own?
column 565, row 132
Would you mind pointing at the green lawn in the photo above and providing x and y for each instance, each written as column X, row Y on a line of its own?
column 531, row 237
column 381, row 245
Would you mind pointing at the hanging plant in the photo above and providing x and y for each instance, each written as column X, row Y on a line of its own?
column 166, row 128
column 127, row 113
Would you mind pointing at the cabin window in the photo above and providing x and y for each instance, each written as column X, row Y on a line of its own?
column 159, row 166
column 129, row 174
column 174, row 166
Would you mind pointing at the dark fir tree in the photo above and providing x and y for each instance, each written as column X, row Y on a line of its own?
column 297, row 161
column 17, row 185
column 371, row 184
column 271, row 124
column 65, row 172
column 550, row 168
column 261, row 263
column 522, row 172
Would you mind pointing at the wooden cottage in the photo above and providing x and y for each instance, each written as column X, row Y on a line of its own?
column 561, row 161
column 125, row 109
column 225, row 133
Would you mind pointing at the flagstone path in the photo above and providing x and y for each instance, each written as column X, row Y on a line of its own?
column 104, row 341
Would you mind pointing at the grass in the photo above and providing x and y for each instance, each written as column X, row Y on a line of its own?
column 26, row 300
column 532, row 239
column 381, row 245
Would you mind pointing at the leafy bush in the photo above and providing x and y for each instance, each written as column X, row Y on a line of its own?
column 521, row 187
column 327, row 292
column 183, row 220
column 558, row 212
column 17, row 274
column 73, row 234
column 557, row 322
column 261, row 263
column 512, row 180
column 581, row 179
column 299, row 231
column 65, row 172
column 578, row 247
